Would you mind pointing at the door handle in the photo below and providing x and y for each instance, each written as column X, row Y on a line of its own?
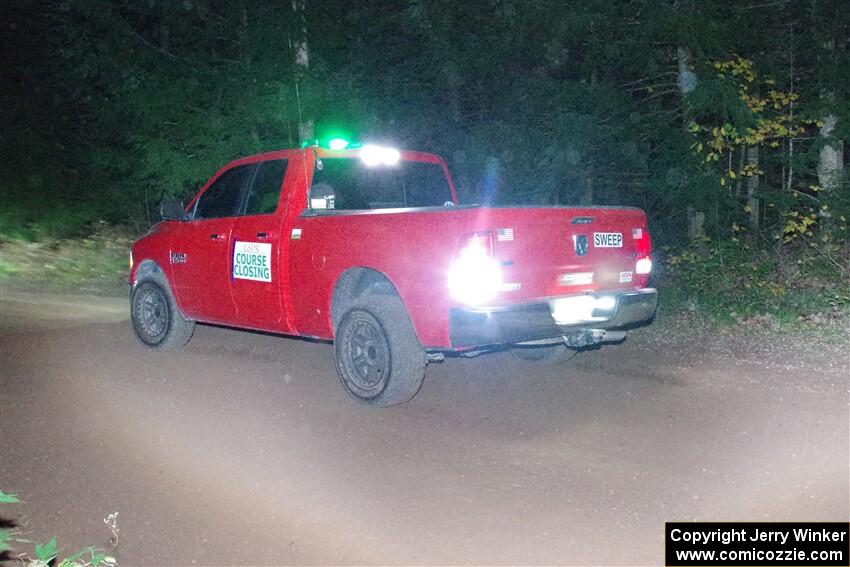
column 216, row 237
column 264, row 235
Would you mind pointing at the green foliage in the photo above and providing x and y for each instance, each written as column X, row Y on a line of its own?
column 531, row 101
column 48, row 553
column 529, row 105
column 97, row 260
column 8, row 498
column 144, row 100
column 6, row 534
column 731, row 281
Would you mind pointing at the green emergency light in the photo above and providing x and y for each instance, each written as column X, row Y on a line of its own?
column 338, row 143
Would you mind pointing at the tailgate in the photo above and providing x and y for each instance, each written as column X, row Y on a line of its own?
column 547, row 252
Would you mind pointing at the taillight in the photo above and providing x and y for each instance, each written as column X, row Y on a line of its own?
column 474, row 276
column 474, row 244
column 643, row 265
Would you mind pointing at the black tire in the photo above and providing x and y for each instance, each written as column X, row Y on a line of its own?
column 157, row 321
column 548, row 354
column 378, row 358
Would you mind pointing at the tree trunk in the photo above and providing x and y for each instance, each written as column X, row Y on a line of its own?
column 306, row 130
column 242, row 32
column 491, row 179
column 686, row 78
column 687, row 81
column 752, row 192
column 696, row 226
column 453, row 82
column 164, row 38
column 587, row 196
column 742, row 156
column 830, row 166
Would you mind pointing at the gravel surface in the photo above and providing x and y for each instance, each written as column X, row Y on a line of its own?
column 816, row 346
column 242, row 448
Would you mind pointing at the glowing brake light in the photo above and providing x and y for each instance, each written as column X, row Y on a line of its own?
column 475, row 277
column 644, row 247
column 643, row 266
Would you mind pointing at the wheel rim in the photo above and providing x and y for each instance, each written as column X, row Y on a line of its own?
column 153, row 313
column 368, row 357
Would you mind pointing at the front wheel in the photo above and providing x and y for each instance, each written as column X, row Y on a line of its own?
column 157, row 321
column 378, row 358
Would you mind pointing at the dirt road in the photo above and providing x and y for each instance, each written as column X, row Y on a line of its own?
column 243, row 448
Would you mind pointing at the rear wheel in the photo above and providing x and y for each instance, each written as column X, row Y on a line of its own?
column 549, row 354
column 378, row 358
column 157, row 321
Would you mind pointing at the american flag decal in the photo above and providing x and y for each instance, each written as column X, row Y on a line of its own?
column 504, row 234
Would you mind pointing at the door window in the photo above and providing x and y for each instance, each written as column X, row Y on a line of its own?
column 265, row 191
column 222, row 198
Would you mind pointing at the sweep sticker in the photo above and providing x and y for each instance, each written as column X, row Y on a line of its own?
column 252, row 261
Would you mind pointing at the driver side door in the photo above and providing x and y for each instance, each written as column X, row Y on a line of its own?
column 200, row 256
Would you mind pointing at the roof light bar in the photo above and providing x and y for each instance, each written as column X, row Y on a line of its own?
column 373, row 156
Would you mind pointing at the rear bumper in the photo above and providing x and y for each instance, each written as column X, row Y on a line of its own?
column 476, row 327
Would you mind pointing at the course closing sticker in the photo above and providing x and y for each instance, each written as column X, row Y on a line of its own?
column 252, row 261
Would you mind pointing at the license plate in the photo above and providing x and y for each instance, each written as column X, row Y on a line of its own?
column 607, row 239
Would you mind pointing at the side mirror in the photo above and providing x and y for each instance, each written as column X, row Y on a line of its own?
column 171, row 209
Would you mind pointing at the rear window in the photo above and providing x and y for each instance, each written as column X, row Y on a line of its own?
column 348, row 184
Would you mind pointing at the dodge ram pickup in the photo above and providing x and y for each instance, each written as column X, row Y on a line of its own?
column 369, row 248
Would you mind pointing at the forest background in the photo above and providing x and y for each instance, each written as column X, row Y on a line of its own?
column 726, row 121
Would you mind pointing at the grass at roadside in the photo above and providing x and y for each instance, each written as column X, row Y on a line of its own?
column 731, row 285
column 92, row 264
column 727, row 287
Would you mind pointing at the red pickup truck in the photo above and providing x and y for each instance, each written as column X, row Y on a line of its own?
column 370, row 248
